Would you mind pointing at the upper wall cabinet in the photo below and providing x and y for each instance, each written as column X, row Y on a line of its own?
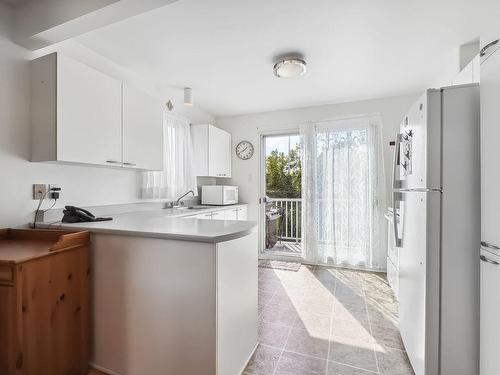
column 489, row 29
column 212, row 147
column 76, row 113
column 80, row 115
column 142, row 130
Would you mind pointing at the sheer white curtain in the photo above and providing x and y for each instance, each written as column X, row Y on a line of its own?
column 343, row 192
column 178, row 175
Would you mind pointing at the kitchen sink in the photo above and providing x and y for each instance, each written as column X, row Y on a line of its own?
column 191, row 207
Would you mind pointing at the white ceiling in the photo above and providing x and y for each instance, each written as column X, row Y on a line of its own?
column 355, row 49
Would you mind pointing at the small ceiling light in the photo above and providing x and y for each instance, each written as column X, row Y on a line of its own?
column 289, row 68
column 188, row 96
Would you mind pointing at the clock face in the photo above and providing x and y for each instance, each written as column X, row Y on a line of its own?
column 244, row 150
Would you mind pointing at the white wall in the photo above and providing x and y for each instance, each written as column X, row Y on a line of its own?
column 245, row 173
column 81, row 185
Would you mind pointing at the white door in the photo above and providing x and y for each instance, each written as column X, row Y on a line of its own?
column 142, row 130
column 419, row 143
column 490, row 313
column 490, row 158
column 281, row 203
column 89, row 119
column 489, row 29
column 412, row 274
column 219, row 152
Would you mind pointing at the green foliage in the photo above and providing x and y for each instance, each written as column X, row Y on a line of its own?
column 283, row 174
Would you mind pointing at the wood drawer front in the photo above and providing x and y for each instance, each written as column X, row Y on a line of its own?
column 6, row 274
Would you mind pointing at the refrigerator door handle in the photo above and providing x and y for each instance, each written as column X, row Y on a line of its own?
column 397, row 198
column 396, row 167
column 489, row 246
column 484, row 259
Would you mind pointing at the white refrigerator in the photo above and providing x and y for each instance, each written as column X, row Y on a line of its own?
column 436, row 195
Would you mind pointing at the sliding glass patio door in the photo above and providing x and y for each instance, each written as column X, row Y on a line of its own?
column 343, row 193
column 281, row 202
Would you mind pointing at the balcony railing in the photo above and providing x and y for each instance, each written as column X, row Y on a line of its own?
column 292, row 208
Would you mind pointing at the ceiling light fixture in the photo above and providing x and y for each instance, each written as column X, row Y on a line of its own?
column 188, row 96
column 289, row 68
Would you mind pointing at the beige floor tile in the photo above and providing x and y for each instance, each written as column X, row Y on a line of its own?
column 353, row 352
column 339, row 369
column 394, row 362
column 308, row 343
column 358, row 308
column 264, row 361
column 272, row 334
column 354, row 329
column 278, row 314
column 387, row 337
column 296, row 364
column 311, row 321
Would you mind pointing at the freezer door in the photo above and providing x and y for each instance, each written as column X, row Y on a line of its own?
column 490, row 134
column 490, row 311
column 419, row 145
column 419, row 307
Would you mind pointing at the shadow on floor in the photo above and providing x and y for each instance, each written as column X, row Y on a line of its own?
column 323, row 320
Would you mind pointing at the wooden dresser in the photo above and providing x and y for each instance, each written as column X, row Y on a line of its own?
column 44, row 302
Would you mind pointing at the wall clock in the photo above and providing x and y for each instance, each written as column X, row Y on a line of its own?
column 244, row 150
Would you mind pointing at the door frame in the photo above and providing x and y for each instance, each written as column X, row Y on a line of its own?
column 295, row 130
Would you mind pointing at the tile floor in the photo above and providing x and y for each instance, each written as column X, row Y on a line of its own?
column 327, row 321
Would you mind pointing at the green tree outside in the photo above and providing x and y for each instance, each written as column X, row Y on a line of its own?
column 283, row 174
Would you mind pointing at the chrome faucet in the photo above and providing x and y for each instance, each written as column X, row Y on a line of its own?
column 182, row 196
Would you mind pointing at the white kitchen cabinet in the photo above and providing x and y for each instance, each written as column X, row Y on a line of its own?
column 142, row 130
column 490, row 313
column 231, row 214
column 490, row 157
column 76, row 113
column 212, row 147
column 218, row 215
column 204, row 216
column 489, row 27
column 242, row 213
column 80, row 115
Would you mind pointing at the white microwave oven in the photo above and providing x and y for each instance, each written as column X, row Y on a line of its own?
column 219, row 195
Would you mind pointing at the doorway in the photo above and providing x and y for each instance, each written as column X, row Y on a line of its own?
column 281, row 208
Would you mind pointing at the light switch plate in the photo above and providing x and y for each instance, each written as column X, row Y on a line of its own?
column 39, row 190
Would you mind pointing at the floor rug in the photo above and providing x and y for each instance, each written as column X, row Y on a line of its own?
column 280, row 265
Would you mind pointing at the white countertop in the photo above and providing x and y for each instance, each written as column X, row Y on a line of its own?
column 171, row 223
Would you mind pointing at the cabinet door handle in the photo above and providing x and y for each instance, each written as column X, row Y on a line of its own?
column 489, row 246
column 113, row 162
column 486, row 47
column 131, row 164
column 484, row 259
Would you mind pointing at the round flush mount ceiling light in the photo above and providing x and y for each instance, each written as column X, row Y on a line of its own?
column 289, row 68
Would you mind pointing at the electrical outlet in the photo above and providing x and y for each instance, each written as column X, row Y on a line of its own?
column 39, row 190
column 54, row 191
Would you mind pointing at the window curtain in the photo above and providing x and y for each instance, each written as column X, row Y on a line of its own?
column 178, row 175
column 343, row 188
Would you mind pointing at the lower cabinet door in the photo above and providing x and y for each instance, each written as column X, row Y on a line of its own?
column 490, row 313
column 242, row 213
column 218, row 215
column 231, row 214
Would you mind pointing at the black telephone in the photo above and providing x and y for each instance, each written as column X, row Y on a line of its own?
column 74, row 214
